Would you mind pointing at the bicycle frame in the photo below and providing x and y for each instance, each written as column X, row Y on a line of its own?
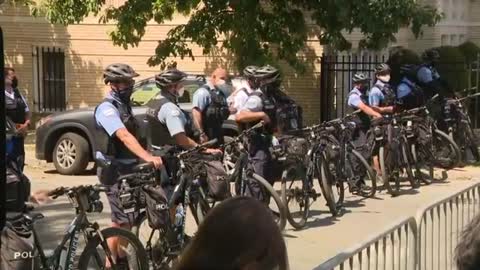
column 53, row 262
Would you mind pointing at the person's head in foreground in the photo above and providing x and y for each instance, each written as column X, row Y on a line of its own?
column 238, row 234
column 467, row 253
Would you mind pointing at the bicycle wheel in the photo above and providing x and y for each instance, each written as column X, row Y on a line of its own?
column 473, row 145
column 199, row 208
column 408, row 160
column 97, row 253
column 327, row 184
column 296, row 192
column 368, row 187
column 330, row 157
column 445, row 152
column 387, row 172
column 281, row 219
column 421, row 164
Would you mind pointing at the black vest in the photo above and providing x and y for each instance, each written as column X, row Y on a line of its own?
column 269, row 108
column 112, row 146
column 15, row 107
column 157, row 132
column 389, row 95
column 362, row 119
column 214, row 114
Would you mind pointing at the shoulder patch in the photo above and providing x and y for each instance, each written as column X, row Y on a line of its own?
column 175, row 112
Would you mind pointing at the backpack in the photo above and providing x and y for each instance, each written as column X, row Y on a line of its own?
column 17, row 249
column 216, row 180
column 18, row 188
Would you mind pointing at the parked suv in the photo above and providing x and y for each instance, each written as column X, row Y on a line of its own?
column 66, row 138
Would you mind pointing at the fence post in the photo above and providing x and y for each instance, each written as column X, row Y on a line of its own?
column 323, row 90
column 477, row 84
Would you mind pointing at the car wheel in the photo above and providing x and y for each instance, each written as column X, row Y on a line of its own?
column 71, row 154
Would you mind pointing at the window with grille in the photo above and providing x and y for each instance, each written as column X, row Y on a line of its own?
column 49, row 79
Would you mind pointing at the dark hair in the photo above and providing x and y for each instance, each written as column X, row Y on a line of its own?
column 7, row 70
column 467, row 252
column 238, row 234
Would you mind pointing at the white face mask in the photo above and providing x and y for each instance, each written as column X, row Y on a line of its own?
column 384, row 78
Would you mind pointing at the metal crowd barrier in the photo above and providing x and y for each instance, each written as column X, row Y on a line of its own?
column 424, row 242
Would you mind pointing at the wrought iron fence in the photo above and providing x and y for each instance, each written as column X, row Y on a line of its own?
column 337, row 71
column 426, row 241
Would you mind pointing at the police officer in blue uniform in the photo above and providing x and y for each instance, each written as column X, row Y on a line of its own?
column 382, row 97
column 117, row 138
column 409, row 93
column 210, row 108
column 16, row 108
column 260, row 106
column 358, row 100
column 168, row 125
column 428, row 77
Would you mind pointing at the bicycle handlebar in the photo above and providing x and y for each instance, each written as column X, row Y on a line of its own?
column 57, row 192
column 196, row 148
column 244, row 133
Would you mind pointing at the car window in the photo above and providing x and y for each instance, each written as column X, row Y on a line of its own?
column 189, row 91
column 143, row 93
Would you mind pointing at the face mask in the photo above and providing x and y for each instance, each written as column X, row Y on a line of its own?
column 225, row 88
column 14, row 82
column 384, row 78
column 125, row 94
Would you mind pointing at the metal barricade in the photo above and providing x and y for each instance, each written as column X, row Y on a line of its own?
column 422, row 243
column 440, row 226
column 392, row 249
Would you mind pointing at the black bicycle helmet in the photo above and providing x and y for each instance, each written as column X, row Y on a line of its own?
column 250, row 71
column 382, row 68
column 407, row 69
column 118, row 72
column 169, row 77
column 360, row 77
column 268, row 74
column 430, row 55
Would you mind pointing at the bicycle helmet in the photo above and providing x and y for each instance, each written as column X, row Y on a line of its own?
column 268, row 74
column 117, row 72
column 169, row 77
column 406, row 69
column 359, row 78
column 430, row 55
column 382, row 68
column 250, row 71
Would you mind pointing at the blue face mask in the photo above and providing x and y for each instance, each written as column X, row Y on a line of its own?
column 225, row 88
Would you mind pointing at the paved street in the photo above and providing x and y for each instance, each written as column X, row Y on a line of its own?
column 325, row 237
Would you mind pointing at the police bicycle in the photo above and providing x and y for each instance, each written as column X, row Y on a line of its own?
column 85, row 199
column 392, row 145
column 305, row 157
column 242, row 176
column 164, row 235
column 344, row 154
column 431, row 148
column 459, row 126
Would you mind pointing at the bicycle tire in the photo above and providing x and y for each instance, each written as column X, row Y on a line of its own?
column 91, row 247
column 370, row 173
column 472, row 142
column 395, row 190
column 199, row 210
column 418, row 166
column 408, row 160
column 455, row 161
column 331, row 163
column 325, row 184
column 282, row 222
column 287, row 196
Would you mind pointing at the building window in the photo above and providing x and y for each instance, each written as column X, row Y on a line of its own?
column 49, row 79
column 461, row 38
column 453, row 40
column 444, row 40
